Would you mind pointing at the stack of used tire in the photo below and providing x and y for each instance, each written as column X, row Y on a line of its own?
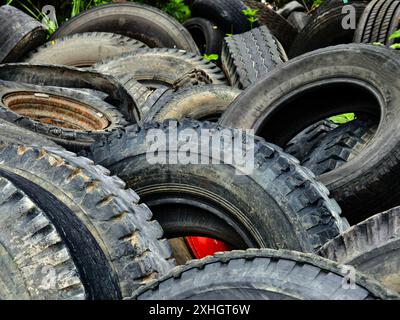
column 84, row 213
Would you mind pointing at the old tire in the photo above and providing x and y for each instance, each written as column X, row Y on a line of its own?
column 371, row 247
column 138, row 21
column 83, row 49
column 160, row 67
column 200, row 103
column 379, row 20
column 207, row 35
column 262, row 275
column 108, row 233
column 250, row 56
column 359, row 186
column 212, row 201
column 21, row 34
column 325, row 29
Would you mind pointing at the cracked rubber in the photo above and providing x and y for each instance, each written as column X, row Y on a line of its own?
column 278, row 205
column 110, row 236
column 372, row 247
column 262, row 275
column 250, row 56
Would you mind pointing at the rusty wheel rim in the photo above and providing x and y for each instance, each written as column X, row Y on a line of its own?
column 56, row 111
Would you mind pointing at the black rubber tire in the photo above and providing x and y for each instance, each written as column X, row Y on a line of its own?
column 262, row 274
column 304, row 142
column 160, row 66
column 340, row 146
column 114, row 243
column 325, row 29
column 289, row 8
column 83, row 49
column 145, row 23
column 361, row 73
column 299, row 20
column 378, row 21
column 275, row 23
column 278, row 205
column 21, row 33
column 74, row 78
column 226, row 13
column 372, row 247
column 72, row 119
column 35, row 262
column 249, row 56
column 199, row 102
column 207, row 35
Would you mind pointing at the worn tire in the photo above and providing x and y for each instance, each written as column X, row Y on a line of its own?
column 21, row 33
column 112, row 238
column 340, row 146
column 304, row 142
column 226, row 13
column 207, row 35
column 138, row 21
column 212, row 201
column 83, row 49
column 378, row 21
column 360, row 186
column 262, row 275
column 72, row 119
column 200, row 102
column 371, row 247
column 250, row 56
column 324, row 28
column 155, row 67
column 276, row 24
column 94, row 83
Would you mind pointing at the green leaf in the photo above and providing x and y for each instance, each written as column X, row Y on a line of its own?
column 395, row 46
column 395, row 35
column 343, row 118
column 377, row 44
column 211, row 57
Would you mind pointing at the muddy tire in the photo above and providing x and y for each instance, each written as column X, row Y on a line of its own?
column 276, row 24
column 21, row 34
column 250, row 56
column 372, row 247
column 160, row 67
column 111, row 237
column 262, row 275
column 83, row 50
column 200, row 102
column 360, row 186
column 325, row 29
column 379, row 20
column 138, row 21
column 212, row 201
column 72, row 119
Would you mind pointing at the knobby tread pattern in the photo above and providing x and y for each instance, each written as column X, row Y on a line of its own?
column 278, row 25
column 121, row 64
column 378, row 21
column 277, row 270
column 122, row 43
column 35, row 245
column 139, row 92
column 131, row 241
column 339, row 146
column 309, row 205
column 302, row 144
column 250, row 56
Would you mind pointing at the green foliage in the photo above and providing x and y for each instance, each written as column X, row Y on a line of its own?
column 343, row 118
column 395, row 35
column 377, row 44
column 81, row 5
column 211, row 57
column 178, row 9
column 251, row 16
column 395, row 46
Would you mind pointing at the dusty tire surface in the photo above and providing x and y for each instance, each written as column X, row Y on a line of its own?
column 83, row 49
column 206, row 102
column 379, row 20
column 95, row 210
column 262, row 275
column 372, row 247
column 360, row 185
column 212, row 201
column 138, row 21
column 21, row 33
column 249, row 56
